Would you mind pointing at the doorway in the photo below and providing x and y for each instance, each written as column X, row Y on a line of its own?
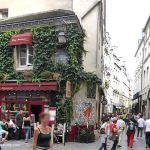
column 36, row 110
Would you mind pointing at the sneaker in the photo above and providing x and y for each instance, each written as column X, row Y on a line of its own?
column 26, row 141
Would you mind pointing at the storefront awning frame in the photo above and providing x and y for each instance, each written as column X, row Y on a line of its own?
column 29, row 86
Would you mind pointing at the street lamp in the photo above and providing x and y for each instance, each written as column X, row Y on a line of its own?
column 61, row 38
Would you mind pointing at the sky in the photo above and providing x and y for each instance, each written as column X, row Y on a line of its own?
column 125, row 21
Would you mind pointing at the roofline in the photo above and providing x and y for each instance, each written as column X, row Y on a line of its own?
column 91, row 8
column 25, row 21
column 139, row 46
column 148, row 20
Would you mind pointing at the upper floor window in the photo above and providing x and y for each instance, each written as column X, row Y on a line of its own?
column 24, row 55
column 61, row 56
column 3, row 13
column 91, row 91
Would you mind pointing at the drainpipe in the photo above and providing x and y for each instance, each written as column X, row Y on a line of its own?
column 140, row 98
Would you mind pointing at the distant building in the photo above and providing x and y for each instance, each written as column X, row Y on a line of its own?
column 118, row 91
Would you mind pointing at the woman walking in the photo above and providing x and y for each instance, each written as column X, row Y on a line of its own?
column 42, row 134
column 26, row 127
column 130, row 132
column 103, row 135
column 114, row 132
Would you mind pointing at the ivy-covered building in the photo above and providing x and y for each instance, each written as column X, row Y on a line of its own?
column 39, row 53
column 33, row 52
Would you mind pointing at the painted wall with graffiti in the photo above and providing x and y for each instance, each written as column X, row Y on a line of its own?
column 84, row 108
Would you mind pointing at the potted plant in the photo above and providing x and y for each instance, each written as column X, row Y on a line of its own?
column 3, row 76
column 56, row 75
column 47, row 75
column 85, row 136
column 28, row 75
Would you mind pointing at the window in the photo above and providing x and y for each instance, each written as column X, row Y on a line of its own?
column 91, row 91
column 3, row 13
column 61, row 56
column 145, row 52
column 24, row 55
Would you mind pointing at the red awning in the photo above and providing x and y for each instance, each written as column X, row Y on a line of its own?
column 20, row 39
column 29, row 86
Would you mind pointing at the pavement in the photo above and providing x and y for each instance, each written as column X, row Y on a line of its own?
column 20, row 145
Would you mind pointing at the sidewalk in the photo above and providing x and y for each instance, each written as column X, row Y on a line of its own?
column 20, row 145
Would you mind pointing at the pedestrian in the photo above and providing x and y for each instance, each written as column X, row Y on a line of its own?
column 121, row 126
column 19, row 123
column 42, row 134
column 130, row 132
column 26, row 126
column 141, row 123
column 147, row 133
column 2, row 132
column 114, row 131
column 103, row 135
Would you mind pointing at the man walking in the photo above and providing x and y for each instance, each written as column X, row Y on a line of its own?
column 147, row 133
column 19, row 123
column 121, row 126
column 141, row 123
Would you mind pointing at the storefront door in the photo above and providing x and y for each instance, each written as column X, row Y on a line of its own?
column 36, row 110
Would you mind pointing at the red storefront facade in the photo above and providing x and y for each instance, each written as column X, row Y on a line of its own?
column 30, row 97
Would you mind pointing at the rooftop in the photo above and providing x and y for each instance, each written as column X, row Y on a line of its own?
column 55, row 17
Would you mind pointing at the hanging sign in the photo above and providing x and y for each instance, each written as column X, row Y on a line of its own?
column 68, row 89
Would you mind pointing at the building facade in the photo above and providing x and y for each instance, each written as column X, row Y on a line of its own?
column 142, row 74
column 118, row 89
column 91, row 15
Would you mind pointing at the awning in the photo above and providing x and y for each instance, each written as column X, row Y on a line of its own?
column 29, row 86
column 20, row 39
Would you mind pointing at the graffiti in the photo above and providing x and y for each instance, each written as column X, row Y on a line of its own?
column 85, row 111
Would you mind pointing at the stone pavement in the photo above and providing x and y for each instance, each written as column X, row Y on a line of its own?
column 20, row 145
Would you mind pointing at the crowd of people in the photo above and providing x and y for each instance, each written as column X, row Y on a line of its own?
column 12, row 129
column 114, row 127
column 20, row 128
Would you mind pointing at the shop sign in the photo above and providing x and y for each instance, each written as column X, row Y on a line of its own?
column 104, row 101
column 52, row 114
column 20, row 39
column 68, row 89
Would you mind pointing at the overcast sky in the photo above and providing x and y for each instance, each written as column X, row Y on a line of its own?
column 125, row 21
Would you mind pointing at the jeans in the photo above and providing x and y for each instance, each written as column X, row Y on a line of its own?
column 147, row 138
column 115, row 144
column 120, row 138
column 140, row 130
column 27, row 130
column 104, row 145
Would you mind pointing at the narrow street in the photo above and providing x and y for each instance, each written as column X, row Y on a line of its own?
column 138, row 145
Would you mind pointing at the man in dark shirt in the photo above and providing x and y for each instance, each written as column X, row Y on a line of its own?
column 19, row 123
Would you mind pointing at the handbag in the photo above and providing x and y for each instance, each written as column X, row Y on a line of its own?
column 102, row 131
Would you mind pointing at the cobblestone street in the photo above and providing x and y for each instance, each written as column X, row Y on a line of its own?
column 17, row 145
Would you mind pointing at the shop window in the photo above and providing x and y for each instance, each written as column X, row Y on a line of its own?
column 91, row 91
column 4, row 109
column 61, row 56
column 13, row 110
column 24, row 55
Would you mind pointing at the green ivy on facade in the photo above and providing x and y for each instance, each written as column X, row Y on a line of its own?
column 45, row 45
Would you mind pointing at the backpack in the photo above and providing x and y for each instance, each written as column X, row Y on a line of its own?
column 131, row 127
